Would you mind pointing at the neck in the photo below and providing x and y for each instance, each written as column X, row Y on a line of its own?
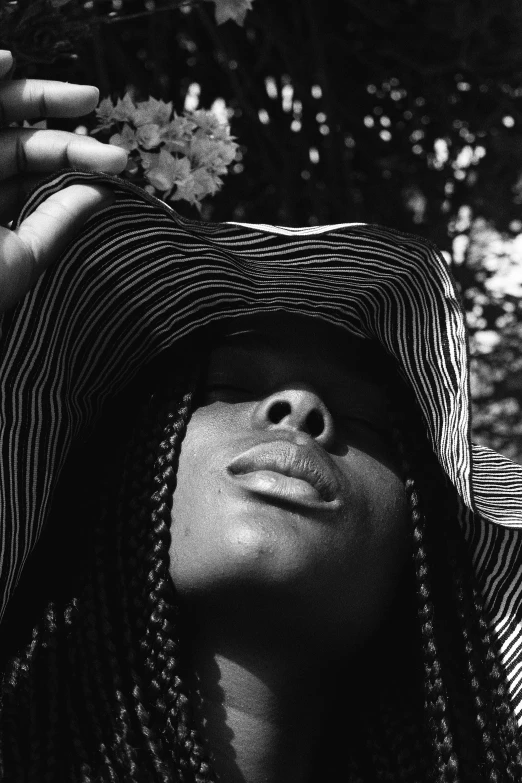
column 260, row 706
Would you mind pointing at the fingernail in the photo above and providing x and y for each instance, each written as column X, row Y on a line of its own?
column 12, row 67
column 121, row 150
column 11, row 70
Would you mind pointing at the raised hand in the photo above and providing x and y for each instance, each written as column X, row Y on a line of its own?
column 25, row 156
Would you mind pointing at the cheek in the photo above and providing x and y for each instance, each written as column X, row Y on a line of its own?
column 193, row 505
column 378, row 550
column 336, row 576
column 216, row 543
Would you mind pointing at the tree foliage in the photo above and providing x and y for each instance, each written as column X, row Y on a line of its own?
column 405, row 113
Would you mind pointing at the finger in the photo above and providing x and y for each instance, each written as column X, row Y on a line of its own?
column 6, row 63
column 42, row 237
column 13, row 193
column 23, row 150
column 24, row 99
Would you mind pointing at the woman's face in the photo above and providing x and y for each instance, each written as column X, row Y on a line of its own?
column 288, row 497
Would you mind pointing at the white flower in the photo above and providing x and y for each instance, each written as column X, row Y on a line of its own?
column 108, row 114
column 180, row 147
column 105, row 113
column 211, row 153
column 186, row 192
column 206, row 183
column 177, row 134
column 152, row 111
column 193, row 149
column 197, row 186
column 206, row 120
column 164, row 171
column 149, row 136
column 124, row 109
column 126, row 139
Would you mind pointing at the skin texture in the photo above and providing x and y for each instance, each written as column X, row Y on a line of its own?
column 28, row 155
column 277, row 581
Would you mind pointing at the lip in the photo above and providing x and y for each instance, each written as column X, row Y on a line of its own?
column 287, row 470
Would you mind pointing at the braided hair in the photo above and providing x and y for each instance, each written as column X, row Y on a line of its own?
column 99, row 693
column 466, row 730
column 95, row 689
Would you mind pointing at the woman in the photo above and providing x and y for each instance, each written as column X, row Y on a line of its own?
column 275, row 583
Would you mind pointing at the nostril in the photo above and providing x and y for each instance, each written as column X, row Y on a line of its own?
column 315, row 423
column 278, row 411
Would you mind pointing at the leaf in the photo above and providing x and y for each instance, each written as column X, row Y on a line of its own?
column 126, row 139
column 213, row 154
column 124, row 110
column 163, row 170
column 206, row 120
column 152, row 111
column 188, row 191
column 235, row 10
column 178, row 133
column 105, row 114
column 149, row 136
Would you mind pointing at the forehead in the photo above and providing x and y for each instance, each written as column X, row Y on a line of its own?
column 300, row 337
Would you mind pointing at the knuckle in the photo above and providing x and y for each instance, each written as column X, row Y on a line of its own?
column 3, row 111
column 37, row 97
column 22, row 163
column 20, row 155
column 64, row 160
column 42, row 103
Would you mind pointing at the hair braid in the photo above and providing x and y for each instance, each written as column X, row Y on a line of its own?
column 410, row 753
column 96, row 707
column 103, row 681
column 436, row 702
column 78, row 754
column 11, row 739
column 383, row 762
column 33, row 712
column 466, row 613
column 509, row 730
column 160, row 642
column 124, row 732
column 52, row 728
column 435, row 691
column 487, row 701
column 134, row 560
column 131, row 536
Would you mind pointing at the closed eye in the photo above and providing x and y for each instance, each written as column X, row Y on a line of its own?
column 231, row 386
column 227, row 391
column 364, row 421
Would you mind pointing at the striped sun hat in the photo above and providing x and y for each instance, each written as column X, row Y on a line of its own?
column 140, row 277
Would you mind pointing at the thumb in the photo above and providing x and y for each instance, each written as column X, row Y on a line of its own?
column 43, row 236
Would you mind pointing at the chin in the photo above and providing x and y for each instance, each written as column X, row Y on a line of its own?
column 265, row 555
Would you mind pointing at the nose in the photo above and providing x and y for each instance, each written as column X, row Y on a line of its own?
column 299, row 409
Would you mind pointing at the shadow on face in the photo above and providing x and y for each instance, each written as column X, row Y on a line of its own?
column 289, row 511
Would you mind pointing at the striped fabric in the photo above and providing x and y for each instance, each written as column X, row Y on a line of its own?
column 140, row 277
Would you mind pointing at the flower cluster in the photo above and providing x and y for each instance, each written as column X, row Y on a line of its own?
column 180, row 157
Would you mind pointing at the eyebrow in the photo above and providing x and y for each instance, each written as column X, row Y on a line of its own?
column 249, row 338
column 256, row 339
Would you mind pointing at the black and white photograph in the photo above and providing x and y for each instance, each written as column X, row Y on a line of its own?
column 260, row 391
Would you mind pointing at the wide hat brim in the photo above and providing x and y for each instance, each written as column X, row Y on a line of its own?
column 140, row 278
